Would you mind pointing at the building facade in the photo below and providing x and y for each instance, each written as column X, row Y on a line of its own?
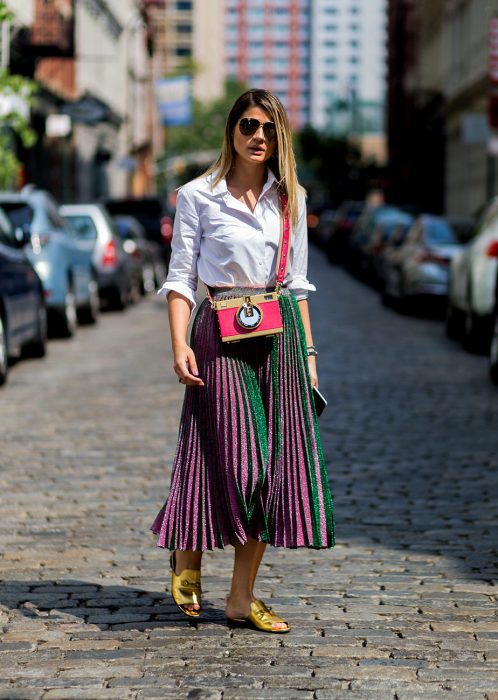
column 348, row 66
column 443, row 100
column 92, row 62
column 267, row 45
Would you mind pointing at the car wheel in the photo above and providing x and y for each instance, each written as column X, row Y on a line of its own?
column 4, row 353
column 90, row 314
column 67, row 321
column 476, row 339
column 453, row 322
column 38, row 346
column 493, row 351
column 118, row 298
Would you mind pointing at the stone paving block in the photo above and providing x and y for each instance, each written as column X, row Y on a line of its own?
column 94, row 694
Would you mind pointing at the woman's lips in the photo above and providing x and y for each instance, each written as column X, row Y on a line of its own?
column 256, row 150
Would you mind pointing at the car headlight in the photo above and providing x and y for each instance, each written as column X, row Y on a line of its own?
column 43, row 269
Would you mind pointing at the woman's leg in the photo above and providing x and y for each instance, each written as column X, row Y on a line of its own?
column 187, row 560
column 245, row 569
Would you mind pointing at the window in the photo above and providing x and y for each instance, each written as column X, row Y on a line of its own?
column 83, row 225
column 330, row 44
column 354, row 43
column 331, row 10
column 184, row 6
column 354, row 27
column 183, row 51
column 355, row 10
column 354, row 59
column 330, row 76
column 330, row 27
column 184, row 28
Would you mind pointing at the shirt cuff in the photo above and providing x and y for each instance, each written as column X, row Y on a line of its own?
column 300, row 287
column 182, row 289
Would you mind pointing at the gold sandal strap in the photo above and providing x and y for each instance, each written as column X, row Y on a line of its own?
column 265, row 614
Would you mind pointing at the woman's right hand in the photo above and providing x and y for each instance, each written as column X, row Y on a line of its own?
column 185, row 366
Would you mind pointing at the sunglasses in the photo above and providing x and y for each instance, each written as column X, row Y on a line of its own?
column 248, row 127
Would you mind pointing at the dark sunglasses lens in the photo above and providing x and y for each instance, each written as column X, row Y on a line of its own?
column 248, row 127
column 270, row 131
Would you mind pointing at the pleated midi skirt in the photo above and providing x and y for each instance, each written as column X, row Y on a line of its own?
column 249, row 460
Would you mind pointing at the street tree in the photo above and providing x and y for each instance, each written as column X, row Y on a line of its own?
column 16, row 95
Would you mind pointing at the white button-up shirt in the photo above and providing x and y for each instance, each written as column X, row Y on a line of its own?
column 218, row 239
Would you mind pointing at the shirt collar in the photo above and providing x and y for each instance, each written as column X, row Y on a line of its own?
column 221, row 188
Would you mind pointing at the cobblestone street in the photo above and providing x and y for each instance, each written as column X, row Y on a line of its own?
column 404, row 607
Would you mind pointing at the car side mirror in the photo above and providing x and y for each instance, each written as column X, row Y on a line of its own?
column 22, row 236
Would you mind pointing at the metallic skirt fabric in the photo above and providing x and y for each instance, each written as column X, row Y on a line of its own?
column 249, row 461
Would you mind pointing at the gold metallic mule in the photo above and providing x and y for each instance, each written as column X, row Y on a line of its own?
column 261, row 618
column 186, row 588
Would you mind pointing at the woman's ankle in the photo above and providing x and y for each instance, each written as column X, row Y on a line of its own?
column 186, row 559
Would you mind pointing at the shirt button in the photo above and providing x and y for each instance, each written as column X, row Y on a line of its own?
column 260, row 263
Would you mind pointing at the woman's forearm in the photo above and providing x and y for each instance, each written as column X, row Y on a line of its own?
column 305, row 316
column 179, row 317
column 185, row 364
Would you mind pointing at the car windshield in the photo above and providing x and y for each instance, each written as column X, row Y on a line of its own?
column 83, row 225
column 439, row 232
column 20, row 214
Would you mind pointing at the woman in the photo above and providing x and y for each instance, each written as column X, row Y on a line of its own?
column 249, row 468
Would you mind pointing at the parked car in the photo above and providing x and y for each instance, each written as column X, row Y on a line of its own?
column 359, row 250
column 423, row 261
column 147, row 264
column 23, row 317
column 389, row 264
column 320, row 222
column 113, row 269
column 389, row 224
column 156, row 218
column 472, row 286
column 345, row 218
column 493, row 346
column 63, row 264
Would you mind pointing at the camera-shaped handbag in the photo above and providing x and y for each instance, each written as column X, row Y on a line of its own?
column 256, row 315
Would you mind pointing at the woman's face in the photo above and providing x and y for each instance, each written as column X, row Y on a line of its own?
column 257, row 148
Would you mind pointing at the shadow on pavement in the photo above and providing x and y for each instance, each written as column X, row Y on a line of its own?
column 109, row 607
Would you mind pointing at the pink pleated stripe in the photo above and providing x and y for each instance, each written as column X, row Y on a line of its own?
column 249, row 461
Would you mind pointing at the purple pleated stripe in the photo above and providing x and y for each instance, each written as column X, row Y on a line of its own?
column 249, row 461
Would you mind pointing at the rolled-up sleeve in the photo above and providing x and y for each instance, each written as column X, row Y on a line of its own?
column 185, row 245
column 297, row 280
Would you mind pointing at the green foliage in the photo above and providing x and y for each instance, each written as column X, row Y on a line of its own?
column 13, row 123
column 207, row 127
column 336, row 164
column 5, row 14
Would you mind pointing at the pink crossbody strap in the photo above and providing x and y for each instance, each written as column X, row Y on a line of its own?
column 283, row 253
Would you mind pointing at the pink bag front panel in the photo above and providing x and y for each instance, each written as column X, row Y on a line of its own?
column 271, row 321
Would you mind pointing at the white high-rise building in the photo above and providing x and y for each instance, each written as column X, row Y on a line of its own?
column 348, row 66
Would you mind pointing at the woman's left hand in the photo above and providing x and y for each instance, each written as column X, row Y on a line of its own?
column 312, row 369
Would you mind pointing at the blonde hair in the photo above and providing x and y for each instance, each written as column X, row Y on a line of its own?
column 283, row 161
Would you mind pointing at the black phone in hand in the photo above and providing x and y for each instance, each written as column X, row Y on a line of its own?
column 320, row 401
